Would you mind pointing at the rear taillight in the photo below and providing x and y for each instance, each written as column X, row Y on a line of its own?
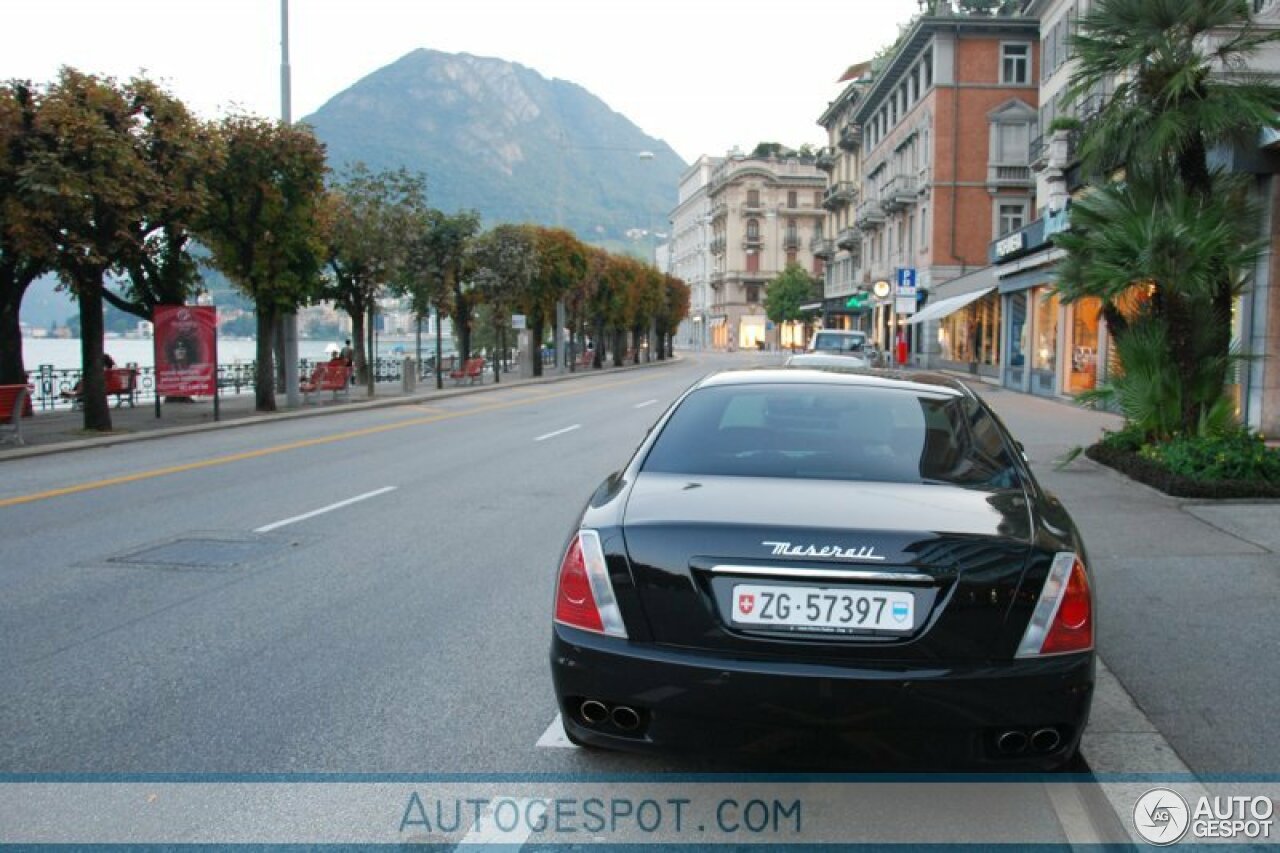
column 584, row 595
column 1063, row 619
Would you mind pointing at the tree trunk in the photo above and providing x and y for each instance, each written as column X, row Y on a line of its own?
column 597, row 361
column 356, row 313
column 535, row 334
column 619, row 342
column 93, row 381
column 264, row 380
column 462, row 323
column 373, row 351
column 12, row 369
column 439, row 349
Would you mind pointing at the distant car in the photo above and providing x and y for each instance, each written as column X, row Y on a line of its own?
column 860, row 561
column 839, row 361
column 838, row 341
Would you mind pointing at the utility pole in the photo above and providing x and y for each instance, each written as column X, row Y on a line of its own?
column 287, row 329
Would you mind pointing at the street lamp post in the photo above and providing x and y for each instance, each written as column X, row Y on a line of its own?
column 287, row 329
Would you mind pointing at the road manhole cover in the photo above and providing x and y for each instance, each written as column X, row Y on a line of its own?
column 202, row 552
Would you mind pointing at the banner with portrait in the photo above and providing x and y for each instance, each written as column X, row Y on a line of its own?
column 186, row 341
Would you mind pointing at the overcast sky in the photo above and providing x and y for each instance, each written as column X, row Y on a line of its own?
column 703, row 75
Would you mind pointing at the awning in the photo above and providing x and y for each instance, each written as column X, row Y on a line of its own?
column 950, row 305
column 810, row 306
column 717, row 321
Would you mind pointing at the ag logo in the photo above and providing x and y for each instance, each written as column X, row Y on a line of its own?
column 1161, row 816
column 746, row 603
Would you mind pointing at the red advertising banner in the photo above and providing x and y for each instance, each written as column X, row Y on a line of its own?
column 186, row 350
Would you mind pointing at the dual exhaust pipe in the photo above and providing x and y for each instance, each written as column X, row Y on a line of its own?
column 596, row 713
column 1015, row 741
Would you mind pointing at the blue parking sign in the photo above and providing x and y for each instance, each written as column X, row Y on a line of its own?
column 906, row 281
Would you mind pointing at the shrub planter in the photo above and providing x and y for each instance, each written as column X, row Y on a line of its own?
column 1158, row 477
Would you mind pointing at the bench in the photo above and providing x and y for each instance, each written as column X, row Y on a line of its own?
column 587, row 359
column 121, row 382
column 327, row 377
column 15, row 404
column 471, row 372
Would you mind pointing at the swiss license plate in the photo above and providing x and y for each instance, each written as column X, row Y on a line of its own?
column 825, row 609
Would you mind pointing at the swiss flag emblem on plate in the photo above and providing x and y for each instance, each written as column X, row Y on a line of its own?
column 746, row 603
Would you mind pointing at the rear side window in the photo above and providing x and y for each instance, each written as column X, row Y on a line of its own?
column 832, row 432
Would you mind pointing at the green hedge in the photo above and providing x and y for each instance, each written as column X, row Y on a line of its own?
column 1237, row 465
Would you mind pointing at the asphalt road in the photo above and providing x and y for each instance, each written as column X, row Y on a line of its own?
column 367, row 592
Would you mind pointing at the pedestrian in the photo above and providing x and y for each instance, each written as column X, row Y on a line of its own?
column 347, row 356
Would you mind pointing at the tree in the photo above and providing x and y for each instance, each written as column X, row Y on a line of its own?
column 505, row 262
column 264, row 224
column 179, row 149
column 434, row 273
column 562, row 262
column 373, row 218
column 25, row 251
column 1180, row 89
column 92, row 182
column 792, row 288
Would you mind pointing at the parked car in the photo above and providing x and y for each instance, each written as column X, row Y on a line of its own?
column 860, row 561
column 835, row 361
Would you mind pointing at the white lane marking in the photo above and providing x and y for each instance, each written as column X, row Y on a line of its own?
column 554, row 737
column 488, row 832
column 645, row 403
column 558, row 432
column 267, row 528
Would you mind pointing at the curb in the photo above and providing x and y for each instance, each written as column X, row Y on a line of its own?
column 32, row 452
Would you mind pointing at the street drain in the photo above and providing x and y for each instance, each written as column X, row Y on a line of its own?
column 203, row 552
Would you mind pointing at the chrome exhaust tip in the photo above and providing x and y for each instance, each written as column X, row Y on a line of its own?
column 1045, row 740
column 1011, row 742
column 625, row 718
column 593, row 712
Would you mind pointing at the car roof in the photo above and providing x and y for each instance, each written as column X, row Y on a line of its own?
column 918, row 382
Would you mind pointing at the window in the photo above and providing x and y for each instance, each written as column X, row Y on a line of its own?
column 817, row 199
column 924, row 227
column 791, row 257
column 1012, row 141
column 928, row 69
column 791, row 198
column 753, row 293
column 1013, row 215
column 753, row 198
column 753, row 261
column 1014, row 59
column 753, row 228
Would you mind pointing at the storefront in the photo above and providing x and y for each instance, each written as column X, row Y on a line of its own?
column 966, row 336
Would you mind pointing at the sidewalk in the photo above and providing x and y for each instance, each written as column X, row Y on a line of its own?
column 62, row 430
column 1186, row 593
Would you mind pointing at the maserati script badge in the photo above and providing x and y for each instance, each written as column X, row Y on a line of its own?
column 786, row 549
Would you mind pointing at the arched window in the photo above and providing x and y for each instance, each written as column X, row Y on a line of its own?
column 753, row 229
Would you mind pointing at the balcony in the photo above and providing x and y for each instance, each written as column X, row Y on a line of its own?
column 869, row 215
column 850, row 137
column 791, row 241
column 899, row 192
column 750, row 207
column 752, row 242
column 716, row 280
column 719, row 210
column 849, row 239
column 1038, row 153
column 822, row 247
column 825, row 159
column 1008, row 176
column 717, row 245
column 839, row 194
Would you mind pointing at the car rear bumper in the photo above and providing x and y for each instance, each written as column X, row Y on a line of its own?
column 941, row 715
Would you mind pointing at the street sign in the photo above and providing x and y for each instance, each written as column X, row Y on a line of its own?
column 905, row 305
column 906, row 281
column 518, row 322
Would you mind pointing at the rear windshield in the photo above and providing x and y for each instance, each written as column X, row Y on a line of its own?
column 827, row 342
column 831, row 432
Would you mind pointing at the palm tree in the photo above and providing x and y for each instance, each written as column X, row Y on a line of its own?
column 1181, row 87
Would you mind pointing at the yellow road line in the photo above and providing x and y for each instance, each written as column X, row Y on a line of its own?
column 296, row 445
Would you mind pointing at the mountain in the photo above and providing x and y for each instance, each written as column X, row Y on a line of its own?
column 502, row 139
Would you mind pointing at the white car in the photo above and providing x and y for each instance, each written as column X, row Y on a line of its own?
column 834, row 341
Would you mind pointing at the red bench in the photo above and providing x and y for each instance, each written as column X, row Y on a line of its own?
column 587, row 359
column 472, row 371
column 15, row 404
column 122, row 383
column 327, row 377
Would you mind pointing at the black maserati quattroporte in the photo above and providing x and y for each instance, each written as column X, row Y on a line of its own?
column 861, row 561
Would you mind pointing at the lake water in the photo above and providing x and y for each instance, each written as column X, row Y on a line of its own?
column 64, row 353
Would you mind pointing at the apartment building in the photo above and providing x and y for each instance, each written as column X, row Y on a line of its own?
column 764, row 213
column 945, row 128
column 839, row 242
column 689, row 256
